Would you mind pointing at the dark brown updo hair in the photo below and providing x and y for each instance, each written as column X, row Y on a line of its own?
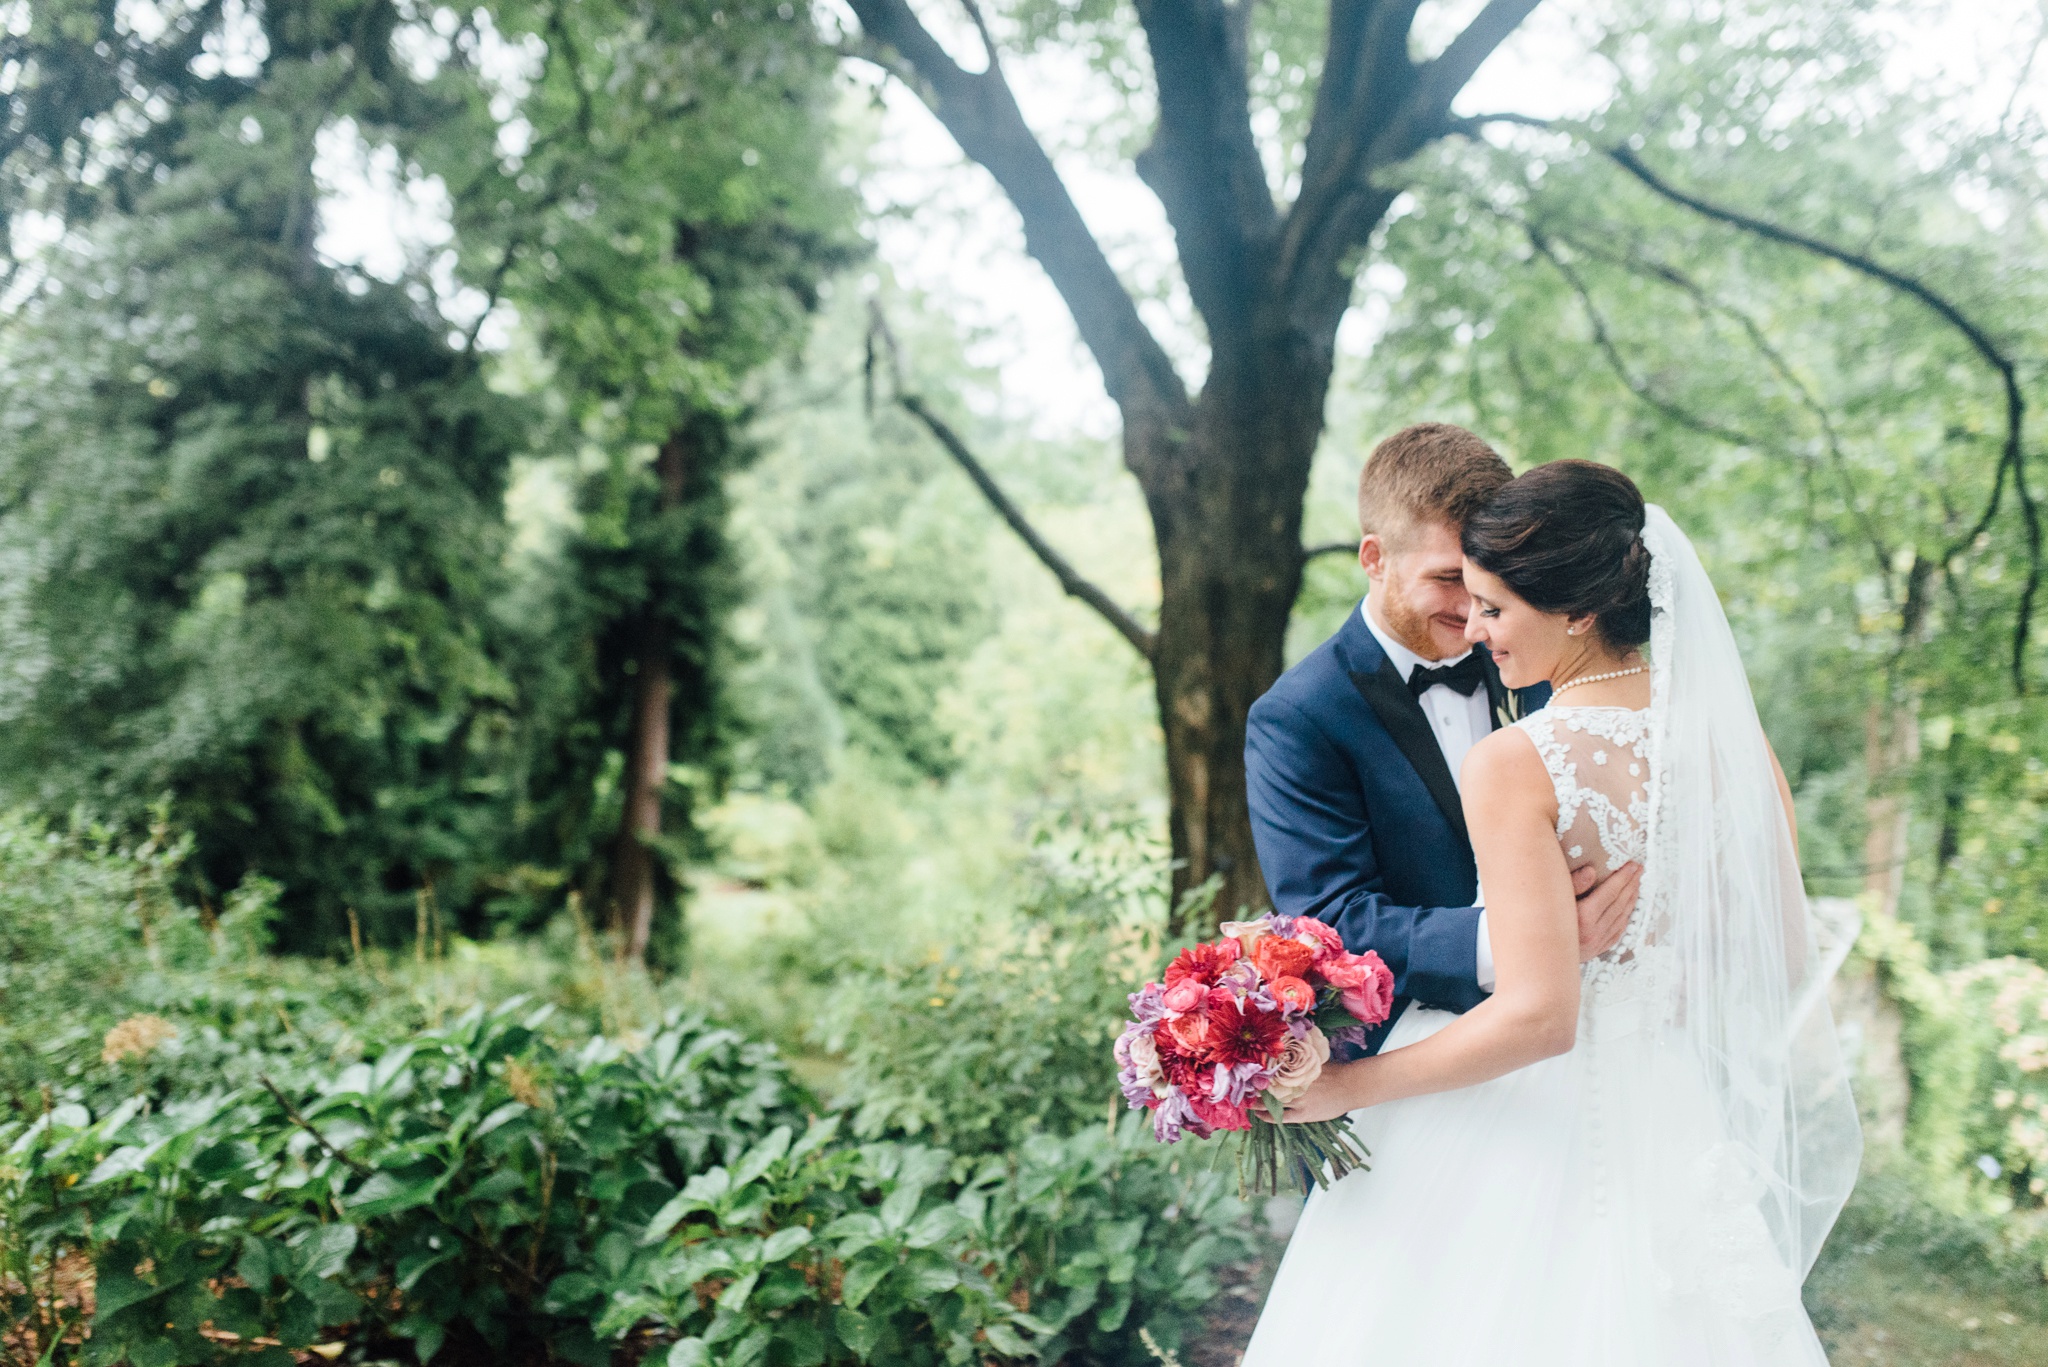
column 1568, row 537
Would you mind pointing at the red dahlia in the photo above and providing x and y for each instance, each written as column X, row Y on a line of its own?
column 1202, row 962
column 1244, row 1034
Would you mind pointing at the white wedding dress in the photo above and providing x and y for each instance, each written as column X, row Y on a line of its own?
column 1654, row 1197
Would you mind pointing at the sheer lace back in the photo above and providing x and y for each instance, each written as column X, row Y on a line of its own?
column 1599, row 765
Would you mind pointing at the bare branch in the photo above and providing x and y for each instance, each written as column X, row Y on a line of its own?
column 1779, row 363
column 1309, row 553
column 2011, row 462
column 1471, row 124
column 981, row 113
column 1603, row 339
column 1142, row 639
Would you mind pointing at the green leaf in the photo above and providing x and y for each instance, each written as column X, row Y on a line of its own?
column 934, row 1227
column 761, row 1157
column 387, row 1068
column 899, row 1206
column 862, row 1277
column 668, row 1217
column 417, row 1263
column 326, row 1248
column 386, row 1193
column 511, row 1110
column 734, row 1297
column 752, row 1348
column 427, row 1335
column 689, row 1352
column 816, row 1136
column 784, row 1242
column 1007, row 1341
column 857, row 1331
column 117, row 1288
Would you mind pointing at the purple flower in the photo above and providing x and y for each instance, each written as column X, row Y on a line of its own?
column 1237, row 1083
column 1173, row 1116
column 1149, row 1005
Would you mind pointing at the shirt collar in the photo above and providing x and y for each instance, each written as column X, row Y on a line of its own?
column 1404, row 659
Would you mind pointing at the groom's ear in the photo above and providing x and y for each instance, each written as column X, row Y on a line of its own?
column 1372, row 555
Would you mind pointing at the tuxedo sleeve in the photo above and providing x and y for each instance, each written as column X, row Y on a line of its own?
column 1314, row 837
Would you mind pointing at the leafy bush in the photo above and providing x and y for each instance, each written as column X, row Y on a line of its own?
column 1110, row 1234
column 1004, row 1031
column 490, row 1197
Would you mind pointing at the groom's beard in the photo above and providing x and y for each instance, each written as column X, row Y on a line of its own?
column 1410, row 626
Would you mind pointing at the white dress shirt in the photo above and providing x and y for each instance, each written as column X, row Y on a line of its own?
column 1458, row 723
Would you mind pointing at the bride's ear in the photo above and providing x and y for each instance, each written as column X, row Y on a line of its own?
column 1578, row 626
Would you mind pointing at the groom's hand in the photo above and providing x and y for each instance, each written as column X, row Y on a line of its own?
column 1604, row 911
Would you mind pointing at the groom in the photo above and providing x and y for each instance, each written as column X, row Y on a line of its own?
column 1351, row 759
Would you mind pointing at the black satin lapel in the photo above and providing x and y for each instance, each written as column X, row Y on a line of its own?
column 1387, row 693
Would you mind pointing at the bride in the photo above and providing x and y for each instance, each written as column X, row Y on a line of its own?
column 1635, row 1164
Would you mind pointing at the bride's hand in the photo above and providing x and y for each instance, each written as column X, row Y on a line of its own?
column 1338, row 1091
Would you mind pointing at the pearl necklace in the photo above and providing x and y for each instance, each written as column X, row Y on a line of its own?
column 1596, row 678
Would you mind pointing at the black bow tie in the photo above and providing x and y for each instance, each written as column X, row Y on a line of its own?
column 1466, row 676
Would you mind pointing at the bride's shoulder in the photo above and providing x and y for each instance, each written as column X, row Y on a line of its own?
column 1505, row 764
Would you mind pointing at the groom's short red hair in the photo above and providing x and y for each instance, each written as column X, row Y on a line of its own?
column 1430, row 472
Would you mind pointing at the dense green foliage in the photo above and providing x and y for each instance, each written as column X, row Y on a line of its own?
column 317, row 1162
column 258, row 502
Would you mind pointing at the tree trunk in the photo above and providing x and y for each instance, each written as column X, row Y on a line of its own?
column 1226, row 505
column 634, row 879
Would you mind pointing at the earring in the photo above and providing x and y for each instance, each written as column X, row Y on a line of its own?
column 1571, row 631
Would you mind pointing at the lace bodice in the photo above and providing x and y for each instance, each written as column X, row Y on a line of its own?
column 1599, row 765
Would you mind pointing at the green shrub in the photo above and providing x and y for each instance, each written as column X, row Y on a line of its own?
column 1004, row 1031
column 1110, row 1233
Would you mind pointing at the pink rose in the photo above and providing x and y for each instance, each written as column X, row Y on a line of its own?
column 1327, row 942
column 1372, row 1001
column 1351, row 970
column 1186, row 995
column 1300, row 1064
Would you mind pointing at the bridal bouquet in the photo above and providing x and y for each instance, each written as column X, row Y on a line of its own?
column 1243, row 1025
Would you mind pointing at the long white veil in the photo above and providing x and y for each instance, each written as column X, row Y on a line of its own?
column 1722, row 889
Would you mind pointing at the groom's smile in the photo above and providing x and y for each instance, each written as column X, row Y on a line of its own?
column 1418, row 588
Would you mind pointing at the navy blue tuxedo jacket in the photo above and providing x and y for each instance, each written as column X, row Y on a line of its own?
column 1357, row 818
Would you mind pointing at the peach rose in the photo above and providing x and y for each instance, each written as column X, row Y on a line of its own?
column 1301, row 1063
column 1293, row 994
column 1278, row 958
column 1246, row 933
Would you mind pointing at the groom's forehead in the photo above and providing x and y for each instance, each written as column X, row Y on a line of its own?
column 1429, row 545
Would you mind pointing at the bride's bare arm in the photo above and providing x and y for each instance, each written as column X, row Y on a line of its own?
column 1511, row 810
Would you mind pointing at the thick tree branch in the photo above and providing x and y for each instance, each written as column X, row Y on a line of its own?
column 2011, row 462
column 1203, row 162
column 981, row 113
column 1142, row 639
column 1382, row 116
column 1309, row 553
